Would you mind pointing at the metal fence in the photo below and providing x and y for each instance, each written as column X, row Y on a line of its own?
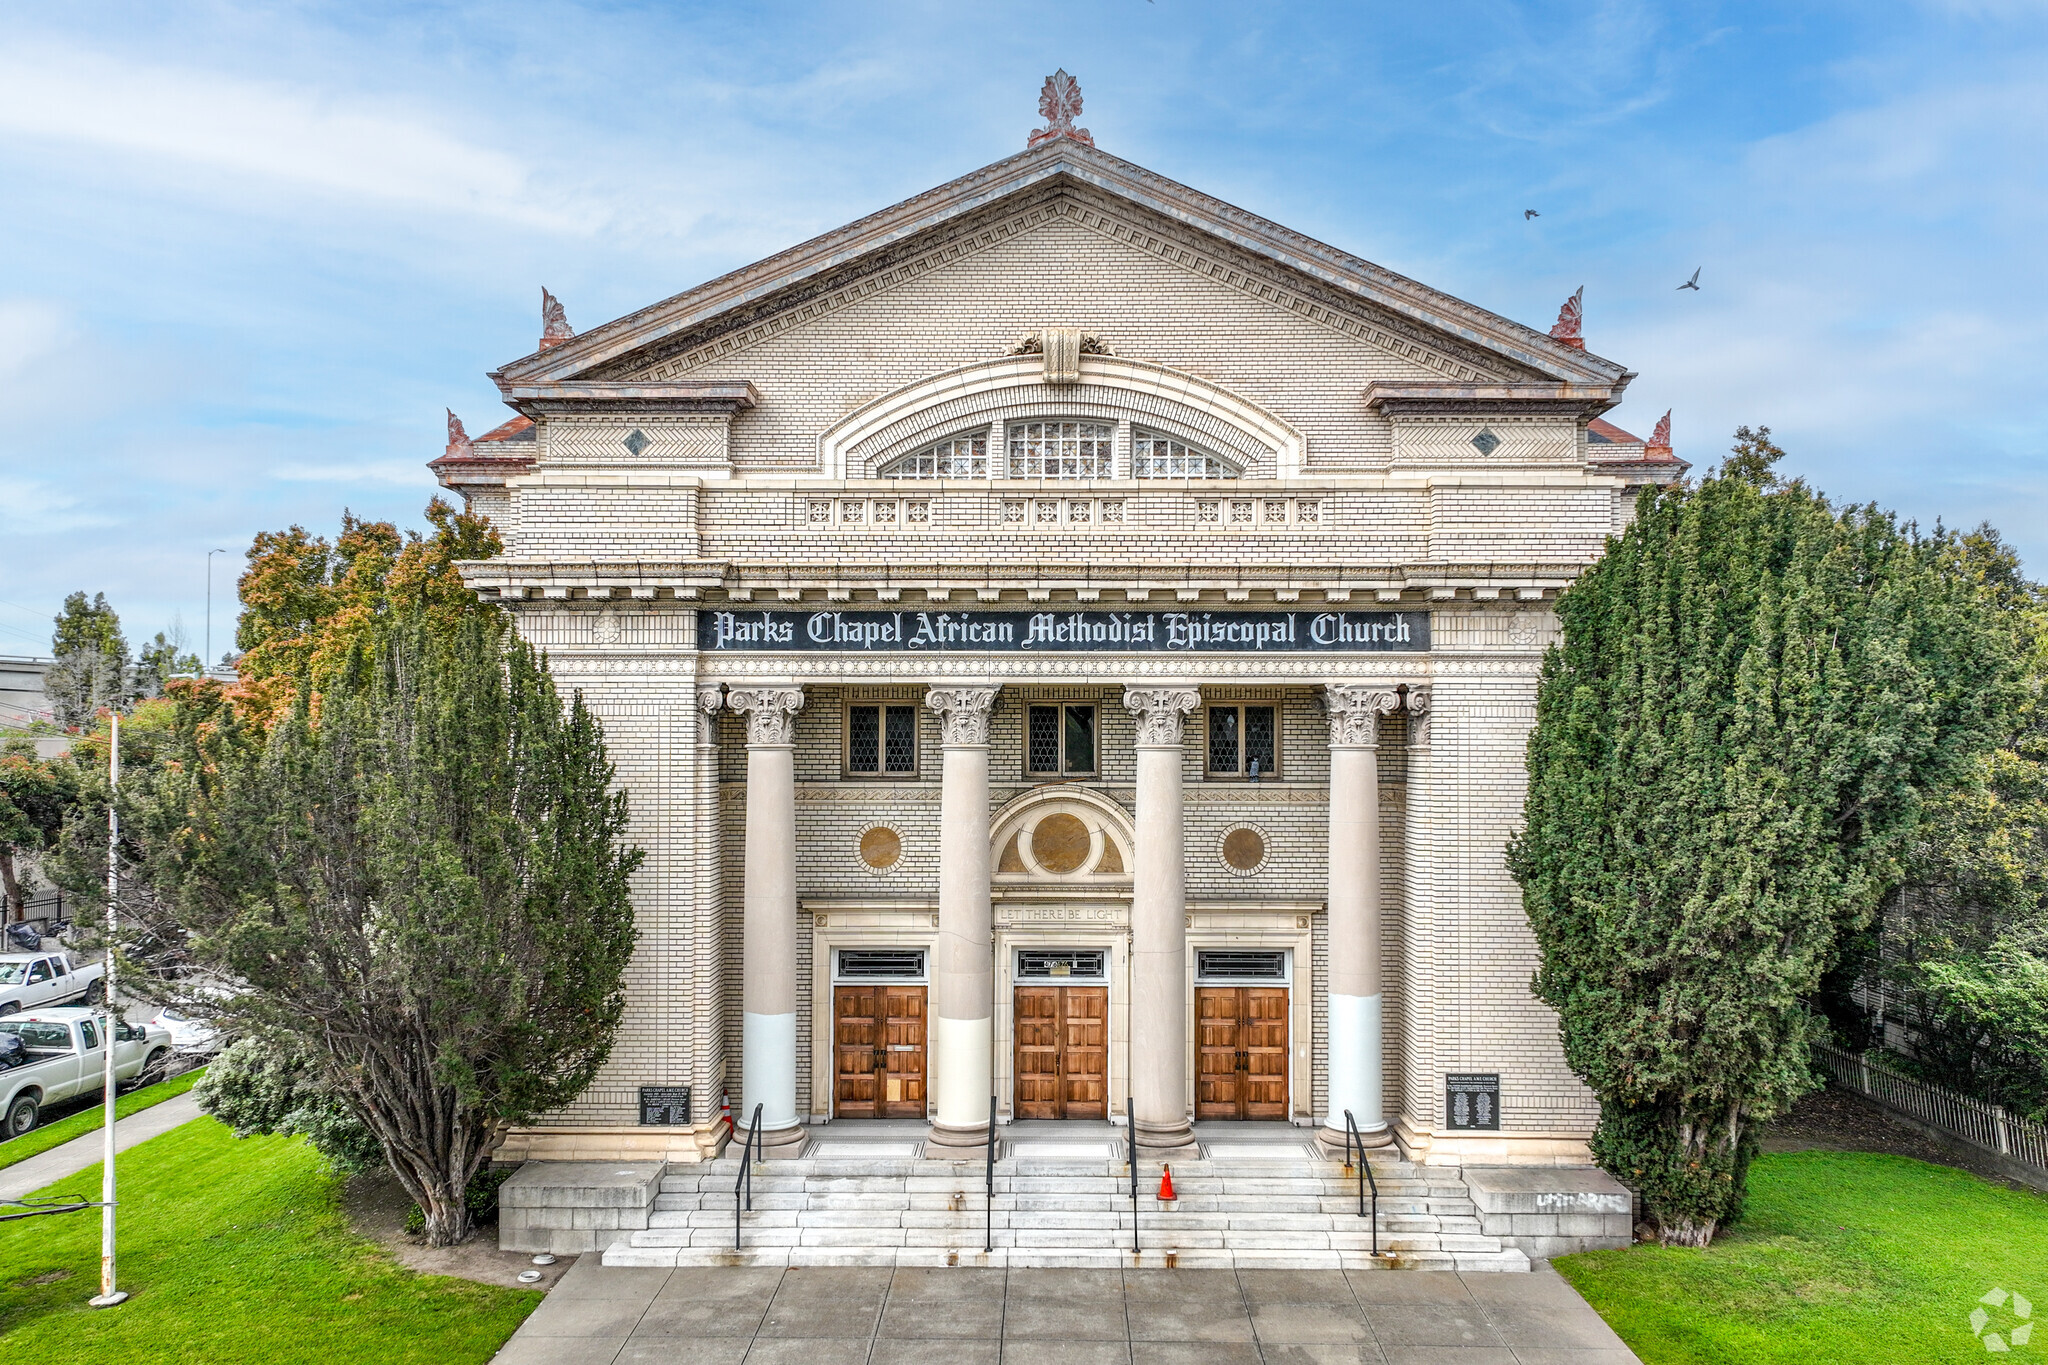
column 1979, row 1124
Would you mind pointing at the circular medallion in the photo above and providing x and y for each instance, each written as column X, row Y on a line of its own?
column 880, row 847
column 1244, row 849
column 1060, row 843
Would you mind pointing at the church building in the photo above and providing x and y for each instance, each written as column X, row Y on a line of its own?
column 1069, row 643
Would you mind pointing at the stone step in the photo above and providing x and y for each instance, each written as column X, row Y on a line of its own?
column 1058, row 1258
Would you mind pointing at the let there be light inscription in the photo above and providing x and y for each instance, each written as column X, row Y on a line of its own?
column 1120, row 632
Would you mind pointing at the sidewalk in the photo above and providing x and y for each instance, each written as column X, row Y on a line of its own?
column 25, row 1178
column 602, row 1315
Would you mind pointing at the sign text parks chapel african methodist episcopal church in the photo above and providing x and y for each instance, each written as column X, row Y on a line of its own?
column 1122, row 632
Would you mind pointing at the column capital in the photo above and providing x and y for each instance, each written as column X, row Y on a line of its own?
column 770, row 712
column 1418, row 715
column 710, row 701
column 1355, row 711
column 1162, row 713
column 963, row 714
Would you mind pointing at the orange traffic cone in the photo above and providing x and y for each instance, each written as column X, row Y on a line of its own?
column 1166, row 1185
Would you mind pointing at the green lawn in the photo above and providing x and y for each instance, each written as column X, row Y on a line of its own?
column 236, row 1253
column 1841, row 1257
column 39, row 1140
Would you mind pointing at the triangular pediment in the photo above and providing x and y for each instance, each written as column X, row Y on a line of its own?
column 1070, row 185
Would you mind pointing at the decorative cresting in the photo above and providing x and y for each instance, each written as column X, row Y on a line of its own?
column 1570, row 319
column 554, row 323
column 1059, row 103
column 1013, row 388
column 1355, row 713
column 963, row 713
column 770, row 712
column 1162, row 713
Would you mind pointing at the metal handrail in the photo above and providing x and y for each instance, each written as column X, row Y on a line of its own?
column 754, row 1143
column 1131, row 1133
column 988, row 1241
column 1351, row 1135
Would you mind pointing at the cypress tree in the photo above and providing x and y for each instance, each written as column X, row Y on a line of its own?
column 1752, row 693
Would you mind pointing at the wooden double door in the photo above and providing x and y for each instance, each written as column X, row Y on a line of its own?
column 878, row 1050
column 1062, row 1052
column 1241, row 1052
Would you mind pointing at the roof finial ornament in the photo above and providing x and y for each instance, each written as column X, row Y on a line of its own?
column 1566, row 328
column 458, row 439
column 554, row 323
column 1660, row 439
column 1060, row 104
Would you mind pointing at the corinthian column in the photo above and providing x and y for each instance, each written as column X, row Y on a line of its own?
column 1356, row 1077
column 963, row 991
column 768, row 1038
column 1159, row 939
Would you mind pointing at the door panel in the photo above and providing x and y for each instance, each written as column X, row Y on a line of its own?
column 878, row 1050
column 1241, row 1052
column 1062, row 1052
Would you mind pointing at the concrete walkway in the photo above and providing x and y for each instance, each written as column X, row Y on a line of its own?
column 26, row 1177
column 602, row 1315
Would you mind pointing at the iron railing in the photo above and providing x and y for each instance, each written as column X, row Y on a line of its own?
column 1351, row 1136
column 1131, row 1132
column 988, row 1239
column 745, row 1178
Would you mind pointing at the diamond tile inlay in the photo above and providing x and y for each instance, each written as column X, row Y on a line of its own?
column 637, row 441
column 1485, row 440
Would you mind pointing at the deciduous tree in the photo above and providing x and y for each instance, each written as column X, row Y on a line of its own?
column 424, row 887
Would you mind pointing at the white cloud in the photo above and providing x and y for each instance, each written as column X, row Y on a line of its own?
column 29, row 331
column 329, row 142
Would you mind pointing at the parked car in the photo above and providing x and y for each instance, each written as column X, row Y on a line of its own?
column 189, row 1037
column 32, row 980
column 60, row 1054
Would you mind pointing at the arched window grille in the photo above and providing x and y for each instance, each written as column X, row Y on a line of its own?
column 1059, row 450
column 1155, row 455
column 962, row 457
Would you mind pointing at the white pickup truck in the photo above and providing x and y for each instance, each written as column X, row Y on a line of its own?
column 47, row 1056
column 31, row 980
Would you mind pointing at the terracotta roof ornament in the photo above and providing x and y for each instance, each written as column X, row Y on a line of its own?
column 1566, row 328
column 1060, row 104
column 1660, row 439
column 458, row 439
column 554, row 323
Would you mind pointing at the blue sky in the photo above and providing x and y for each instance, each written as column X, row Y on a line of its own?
column 249, row 253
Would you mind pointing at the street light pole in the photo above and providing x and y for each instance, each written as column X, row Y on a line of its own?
column 108, row 1295
column 206, row 664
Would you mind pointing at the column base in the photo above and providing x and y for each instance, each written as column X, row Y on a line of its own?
column 946, row 1138
column 1165, row 1139
column 775, row 1144
column 1332, row 1140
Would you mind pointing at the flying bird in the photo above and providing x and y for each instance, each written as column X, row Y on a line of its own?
column 1527, row 214
column 1693, row 283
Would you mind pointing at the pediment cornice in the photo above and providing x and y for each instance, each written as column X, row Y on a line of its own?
column 1064, row 179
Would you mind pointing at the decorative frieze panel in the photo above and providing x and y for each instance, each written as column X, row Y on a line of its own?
column 1061, row 514
column 1249, row 516
column 867, row 514
column 638, row 441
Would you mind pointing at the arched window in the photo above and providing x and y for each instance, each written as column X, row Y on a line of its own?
column 1155, row 455
column 1059, row 450
column 962, row 457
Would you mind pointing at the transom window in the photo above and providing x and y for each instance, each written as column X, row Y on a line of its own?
column 1059, row 450
column 1244, row 741
column 881, row 741
column 1059, row 741
column 962, row 457
column 1155, row 455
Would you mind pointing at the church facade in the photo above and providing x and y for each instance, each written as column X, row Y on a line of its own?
column 1069, row 644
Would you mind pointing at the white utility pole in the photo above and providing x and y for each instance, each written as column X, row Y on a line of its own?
column 108, row 1295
